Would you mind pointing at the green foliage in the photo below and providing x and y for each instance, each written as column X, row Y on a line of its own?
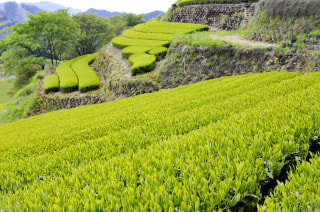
column 199, row 147
column 122, row 42
column 154, row 33
column 118, row 25
column 279, row 20
column 51, row 84
column 95, row 32
column 132, row 19
column 166, row 30
column 147, row 36
column 159, row 52
column 205, row 39
column 21, row 102
column 68, row 79
column 88, row 80
column 128, row 51
column 195, row 27
column 142, row 63
column 300, row 193
column 5, row 87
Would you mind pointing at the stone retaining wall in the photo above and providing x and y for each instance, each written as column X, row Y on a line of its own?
column 223, row 16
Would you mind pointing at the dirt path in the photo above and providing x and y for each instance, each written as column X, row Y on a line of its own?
column 237, row 39
column 116, row 54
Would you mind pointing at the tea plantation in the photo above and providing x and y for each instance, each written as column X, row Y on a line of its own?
column 73, row 75
column 208, row 146
column 147, row 43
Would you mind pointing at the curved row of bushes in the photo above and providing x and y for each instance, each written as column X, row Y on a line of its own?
column 147, row 43
column 148, row 36
column 51, row 84
column 68, row 79
column 142, row 63
column 122, row 42
column 192, row 2
column 88, row 80
column 73, row 75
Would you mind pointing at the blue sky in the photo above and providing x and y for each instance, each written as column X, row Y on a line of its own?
column 134, row 6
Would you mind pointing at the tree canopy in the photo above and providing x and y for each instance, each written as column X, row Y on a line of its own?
column 94, row 33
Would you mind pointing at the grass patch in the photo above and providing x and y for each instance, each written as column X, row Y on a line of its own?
column 5, row 87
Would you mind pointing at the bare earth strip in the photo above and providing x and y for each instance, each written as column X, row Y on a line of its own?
column 237, row 39
column 116, row 54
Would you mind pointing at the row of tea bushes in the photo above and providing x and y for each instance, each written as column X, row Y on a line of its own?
column 300, row 193
column 203, row 147
column 147, row 36
column 51, row 84
column 73, row 75
column 142, row 63
column 67, row 78
column 151, row 38
column 88, row 80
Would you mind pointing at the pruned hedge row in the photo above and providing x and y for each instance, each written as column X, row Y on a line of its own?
column 122, row 42
column 51, row 84
column 130, row 50
column 88, row 80
column 192, row 2
column 300, row 193
column 166, row 30
column 159, row 52
column 153, row 38
column 199, row 147
column 142, row 63
column 68, row 78
column 195, row 27
column 147, row 36
column 73, row 75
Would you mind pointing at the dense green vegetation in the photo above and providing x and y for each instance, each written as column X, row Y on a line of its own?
column 4, row 91
column 130, row 50
column 73, row 75
column 88, row 80
column 142, row 63
column 51, row 84
column 300, row 192
column 205, row 146
column 68, row 79
column 151, row 39
column 22, row 101
column 279, row 20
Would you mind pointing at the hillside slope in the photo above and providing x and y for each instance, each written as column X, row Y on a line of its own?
column 205, row 146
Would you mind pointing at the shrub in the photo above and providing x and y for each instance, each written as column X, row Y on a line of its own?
column 147, row 36
column 68, row 79
column 122, row 42
column 159, row 52
column 51, row 84
column 88, row 80
column 142, row 63
column 196, row 27
column 166, row 30
column 128, row 51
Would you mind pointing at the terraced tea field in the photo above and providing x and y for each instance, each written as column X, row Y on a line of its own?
column 147, row 43
column 208, row 146
column 73, row 75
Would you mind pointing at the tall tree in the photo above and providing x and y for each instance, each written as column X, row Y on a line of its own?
column 132, row 19
column 95, row 32
column 44, row 36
